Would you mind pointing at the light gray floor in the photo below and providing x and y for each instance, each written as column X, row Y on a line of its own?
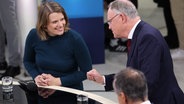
column 117, row 61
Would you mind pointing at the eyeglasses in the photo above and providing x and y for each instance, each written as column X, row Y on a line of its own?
column 110, row 20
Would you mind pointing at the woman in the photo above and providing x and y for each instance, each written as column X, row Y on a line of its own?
column 56, row 55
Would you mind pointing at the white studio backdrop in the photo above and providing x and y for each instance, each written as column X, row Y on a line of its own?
column 27, row 11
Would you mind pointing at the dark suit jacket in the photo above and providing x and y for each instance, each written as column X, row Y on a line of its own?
column 150, row 54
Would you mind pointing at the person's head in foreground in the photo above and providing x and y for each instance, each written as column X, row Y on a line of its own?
column 130, row 86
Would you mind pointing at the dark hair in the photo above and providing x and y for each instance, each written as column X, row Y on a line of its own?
column 43, row 17
column 132, row 83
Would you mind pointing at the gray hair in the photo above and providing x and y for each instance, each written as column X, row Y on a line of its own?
column 132, row 83
column 124, row 6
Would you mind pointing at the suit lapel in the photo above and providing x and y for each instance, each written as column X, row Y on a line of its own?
column 134, row 42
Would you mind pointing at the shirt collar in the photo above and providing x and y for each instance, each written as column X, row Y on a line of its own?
column 130, row 35
column 146, row 102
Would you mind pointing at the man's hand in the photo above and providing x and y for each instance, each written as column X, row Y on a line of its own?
column 95, row 76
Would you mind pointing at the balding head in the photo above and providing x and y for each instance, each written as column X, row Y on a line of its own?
column 132, row 83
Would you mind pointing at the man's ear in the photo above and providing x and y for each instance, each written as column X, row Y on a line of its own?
column 122, row 95
column 122, row 98
column 123, row 17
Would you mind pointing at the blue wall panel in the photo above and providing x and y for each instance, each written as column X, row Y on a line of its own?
column 82, row 8
column 92, row 31
column 86, row 17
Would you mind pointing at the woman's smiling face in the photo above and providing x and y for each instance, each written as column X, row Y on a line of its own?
column 56, row 24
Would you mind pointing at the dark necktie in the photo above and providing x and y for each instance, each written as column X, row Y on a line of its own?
column 128, row 45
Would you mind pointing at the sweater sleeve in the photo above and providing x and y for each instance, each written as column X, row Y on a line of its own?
column 83, row 59
column 29, row 54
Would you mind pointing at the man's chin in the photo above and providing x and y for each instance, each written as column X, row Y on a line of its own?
column 116, row 36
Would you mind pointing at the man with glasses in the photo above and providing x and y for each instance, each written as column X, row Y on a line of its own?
column 148, row 53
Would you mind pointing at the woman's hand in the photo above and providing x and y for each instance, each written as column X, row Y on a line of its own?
column 51, row 80
column 46, row 80
column 45, row 93
column 41, row 81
